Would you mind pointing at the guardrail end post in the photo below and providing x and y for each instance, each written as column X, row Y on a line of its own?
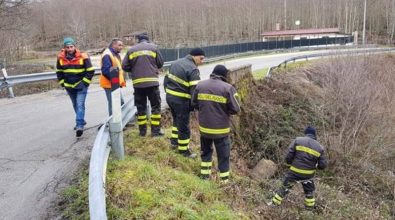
column 10, row 90
column 115, row 125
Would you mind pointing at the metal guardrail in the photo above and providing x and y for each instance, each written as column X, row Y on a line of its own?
column 98, row 163
column 9, row 81
column 326, row 54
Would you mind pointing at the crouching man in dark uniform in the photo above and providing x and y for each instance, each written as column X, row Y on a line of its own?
column 305, row 154
column 216, row 100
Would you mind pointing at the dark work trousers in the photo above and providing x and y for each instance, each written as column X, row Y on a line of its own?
column 140, row 101
column 180, row 111
column 222, row 146
column 289, row 181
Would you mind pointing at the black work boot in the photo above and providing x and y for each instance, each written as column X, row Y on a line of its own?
column 204, row 176
column 174, row 143
column 188, row 153
column 156, row 131
column 173, row 146
column 143, row 130
column 79, row 132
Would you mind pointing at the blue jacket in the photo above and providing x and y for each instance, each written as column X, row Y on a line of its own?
column 106, row 63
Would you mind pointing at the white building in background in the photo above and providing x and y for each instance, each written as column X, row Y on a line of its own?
column 301, row 34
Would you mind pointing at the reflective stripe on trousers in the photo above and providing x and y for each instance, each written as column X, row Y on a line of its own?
column 183, row 144
column 155, row 119
column 205, row 168
column 142, row 119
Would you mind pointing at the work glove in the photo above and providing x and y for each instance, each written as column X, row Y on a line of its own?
column 114, row 78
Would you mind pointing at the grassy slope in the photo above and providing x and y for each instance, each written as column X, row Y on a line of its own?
column 154, row 182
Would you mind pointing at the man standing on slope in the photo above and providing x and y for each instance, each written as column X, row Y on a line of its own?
column 215, row 100
column 179, row 85
column 143, row 61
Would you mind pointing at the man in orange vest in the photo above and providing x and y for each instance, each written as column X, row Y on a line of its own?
column 112, row 75
column 74, row 71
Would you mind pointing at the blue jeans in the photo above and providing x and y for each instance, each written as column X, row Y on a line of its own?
column 78, row 97
column 109, row 100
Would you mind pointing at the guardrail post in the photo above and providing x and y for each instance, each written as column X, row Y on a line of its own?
column 148, row 111
column 10, row 90
column 268, row 74
column 116, row 131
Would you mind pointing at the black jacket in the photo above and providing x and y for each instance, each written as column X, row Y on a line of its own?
column 182, row 78
column 143, row 61
column 216, row 101
column 305, row 154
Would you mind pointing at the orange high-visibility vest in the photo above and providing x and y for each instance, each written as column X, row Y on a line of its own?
column 104, row 81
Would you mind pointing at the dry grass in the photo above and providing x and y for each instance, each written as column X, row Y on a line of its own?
column 349, row 100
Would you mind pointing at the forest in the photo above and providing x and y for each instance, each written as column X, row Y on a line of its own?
column 28, row 25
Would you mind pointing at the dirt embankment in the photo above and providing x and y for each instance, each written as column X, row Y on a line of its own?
column 349, row 101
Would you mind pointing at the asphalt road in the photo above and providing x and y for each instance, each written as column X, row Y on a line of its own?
column 39, row 153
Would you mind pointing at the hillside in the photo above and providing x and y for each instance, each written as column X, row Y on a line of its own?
column 348, row 99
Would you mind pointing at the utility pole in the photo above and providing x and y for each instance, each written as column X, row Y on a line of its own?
column 285, row 14
column 364, row 25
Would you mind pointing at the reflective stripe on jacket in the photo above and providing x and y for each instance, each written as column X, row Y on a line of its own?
column 305, row 155
column 216, row 101
column 75, row 72
column 143, row 61
column 115, row 62
column 182, row 78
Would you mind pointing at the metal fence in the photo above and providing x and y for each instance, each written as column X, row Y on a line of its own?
column 170, row 54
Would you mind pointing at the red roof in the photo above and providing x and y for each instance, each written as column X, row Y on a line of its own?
column 301, row 31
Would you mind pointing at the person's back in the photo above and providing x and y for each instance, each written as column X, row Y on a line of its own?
column 183, row 75
column 143, row 61
column 179, row 84
column 215, row 100
column 305, row 155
